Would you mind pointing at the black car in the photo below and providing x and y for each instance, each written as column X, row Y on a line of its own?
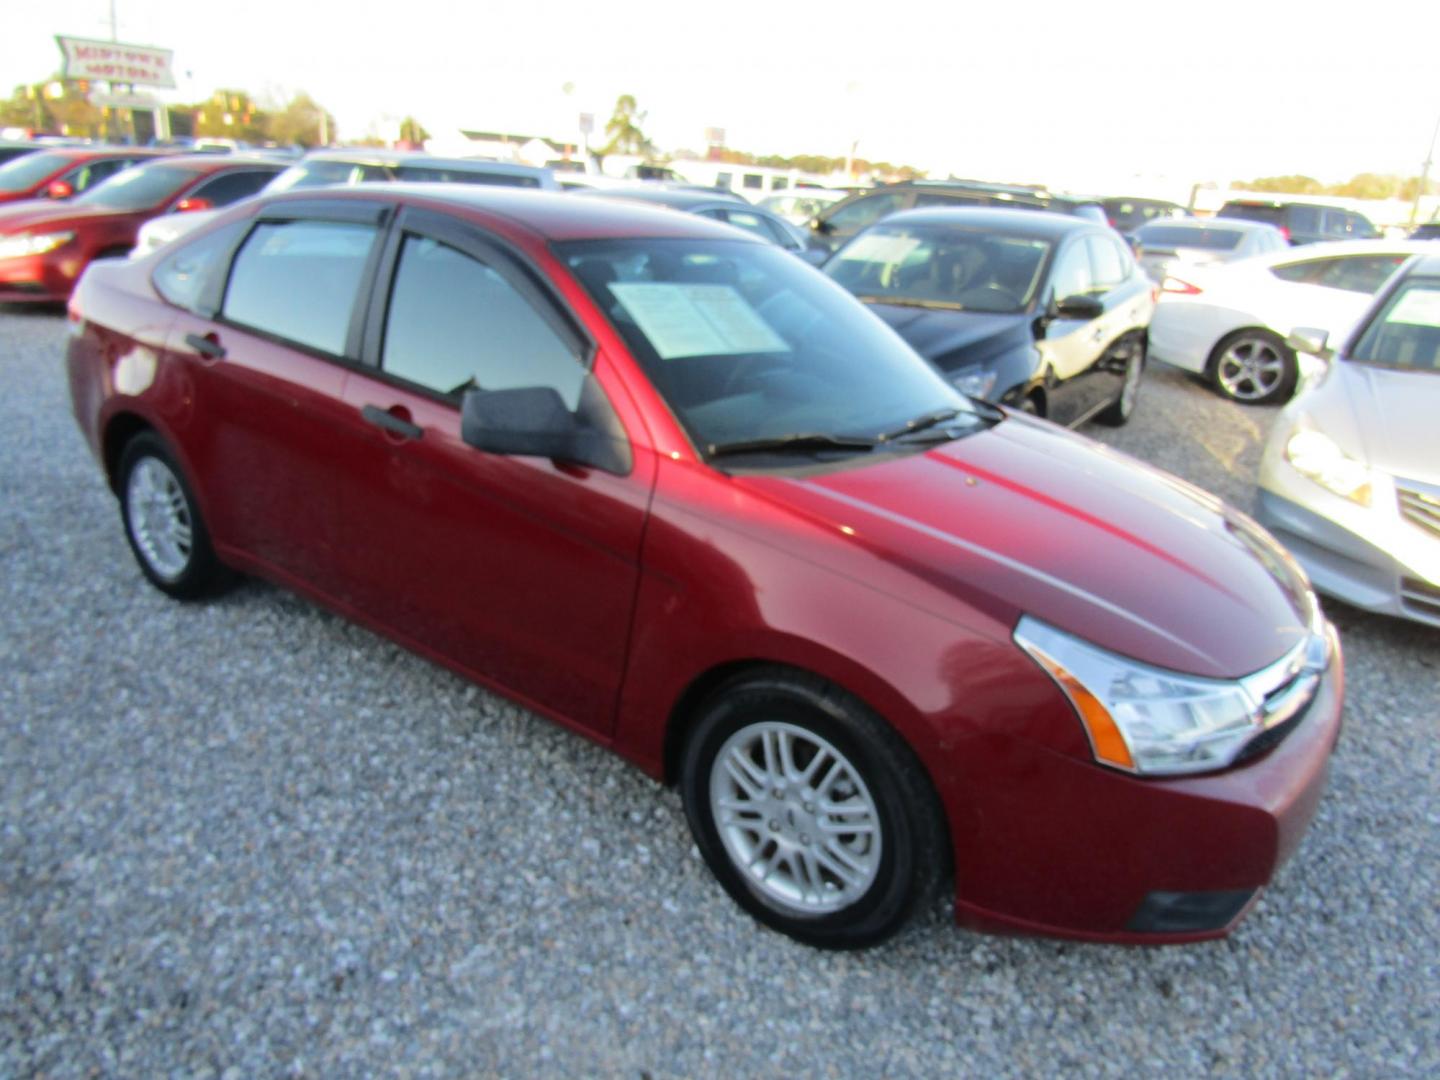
column 1043, row 312
column 1126, row 215
column 720, row 206
column 1428, row 231
column 838, row 223
column 1303, row 222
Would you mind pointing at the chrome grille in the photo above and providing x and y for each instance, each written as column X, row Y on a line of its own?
column 1420, row 507
column 1286, row 688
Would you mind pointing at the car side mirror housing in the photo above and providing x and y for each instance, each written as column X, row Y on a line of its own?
column 1312, row 340
column 59, row 189
column 1079, row 306
column 534, row 421
column 824, row 228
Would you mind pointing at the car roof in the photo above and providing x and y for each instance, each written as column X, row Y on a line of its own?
column 1032, row 223
column 81, row 153
column 222, row 162
column 1329, row 249
column 678, row 198
column 365, row 155
column 547, row 215
column 1282, row 203
column 1229, row 223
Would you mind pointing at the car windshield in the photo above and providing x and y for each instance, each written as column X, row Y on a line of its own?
column 941, row 266
column 1406, row 332
column 748, row 344
column 138, row 188
column 1180, row 236
column 24, row 173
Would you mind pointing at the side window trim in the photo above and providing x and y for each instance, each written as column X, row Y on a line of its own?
column 348, row 211
column 494, row 253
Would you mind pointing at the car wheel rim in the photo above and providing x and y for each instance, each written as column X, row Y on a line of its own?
column 159, row 518
column 1250, row 369
column 795, row 817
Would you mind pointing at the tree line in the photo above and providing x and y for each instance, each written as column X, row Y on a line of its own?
column 1360, row 186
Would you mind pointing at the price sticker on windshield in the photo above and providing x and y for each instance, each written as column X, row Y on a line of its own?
column 696, row 320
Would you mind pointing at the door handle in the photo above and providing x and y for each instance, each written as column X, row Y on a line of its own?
column 396, row 425
column 206, row 345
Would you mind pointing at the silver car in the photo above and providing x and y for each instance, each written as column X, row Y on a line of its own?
column 1162, row 245
column 1350, row 478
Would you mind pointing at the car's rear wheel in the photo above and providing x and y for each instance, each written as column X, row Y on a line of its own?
column 1254, row 367
column 163, row 523
column 811, row 811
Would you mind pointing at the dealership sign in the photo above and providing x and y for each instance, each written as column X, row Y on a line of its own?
column 116, row 62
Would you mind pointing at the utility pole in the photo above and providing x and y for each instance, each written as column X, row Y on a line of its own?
column 1424, row 173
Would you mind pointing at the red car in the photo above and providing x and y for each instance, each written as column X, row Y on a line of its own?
column 64, row 172
column 45, row 246
column 674, row 489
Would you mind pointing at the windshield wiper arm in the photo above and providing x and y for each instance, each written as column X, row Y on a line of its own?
column 911, row 301
column 799, row 440
column 920, row 423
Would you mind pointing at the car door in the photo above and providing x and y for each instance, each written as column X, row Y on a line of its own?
column 1070, row 347
column 266, row 339
column 838, row 224
column 521, row 570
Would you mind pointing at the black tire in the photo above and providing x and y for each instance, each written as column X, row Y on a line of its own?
column 1119, row 411
column 908, row 855
column 1254, row 367
column 154, row 494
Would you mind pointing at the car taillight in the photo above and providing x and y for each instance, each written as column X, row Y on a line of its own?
column 1175, row 285
column 1285, row 232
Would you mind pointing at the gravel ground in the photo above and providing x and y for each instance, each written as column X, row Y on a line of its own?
column 249, row 839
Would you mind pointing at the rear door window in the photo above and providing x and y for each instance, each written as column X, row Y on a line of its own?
column 1107, row 266
column 1303, row 219
column 299, row 280
column 1072, row 275
column 1359, row 273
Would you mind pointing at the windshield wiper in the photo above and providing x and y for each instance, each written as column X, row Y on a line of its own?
column 798, row 440
column 920, row 423
column 910, row 301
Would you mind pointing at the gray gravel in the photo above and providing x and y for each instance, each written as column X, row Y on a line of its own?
column 249, row 839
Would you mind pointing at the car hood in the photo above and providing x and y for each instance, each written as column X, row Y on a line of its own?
column 1026, row 518
column 36, row 214
column 1394, row 413
column 951, row 339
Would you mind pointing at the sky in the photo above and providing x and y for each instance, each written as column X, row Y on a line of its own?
column 1079, row 95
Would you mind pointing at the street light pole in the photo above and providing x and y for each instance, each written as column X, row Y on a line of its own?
column 1424, row 174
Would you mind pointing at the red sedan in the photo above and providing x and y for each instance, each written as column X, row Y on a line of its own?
column 674, row 489
column 64, row 172
column 45, row 246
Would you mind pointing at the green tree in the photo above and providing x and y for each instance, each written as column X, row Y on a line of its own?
column 40, row 108
column 411, row 131
column 1287, row 185
column 1368, row 186
column 302, row 122
column 230, row 114
column 624, row 130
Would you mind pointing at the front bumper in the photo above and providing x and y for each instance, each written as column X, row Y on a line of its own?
column 1368, row 557
column 43, row 279
column 1050, row 844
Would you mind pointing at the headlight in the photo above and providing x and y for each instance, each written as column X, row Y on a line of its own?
column 1316, row 456
column 1151, row 721
column 973, row 382
column 15, row 247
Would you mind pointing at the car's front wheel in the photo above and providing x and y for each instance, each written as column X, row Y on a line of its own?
column 1254, row 367
column 163, row 523
column 1119, row 411
column 811, row 811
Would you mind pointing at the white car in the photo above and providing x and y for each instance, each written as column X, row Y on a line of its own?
column 1350, row 477
column 1175, row 245
column 1229, row 322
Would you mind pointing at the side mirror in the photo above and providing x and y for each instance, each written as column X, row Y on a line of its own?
column 534, row 421
column 824, row 228
column 1080, row 307
column 195, row 202
column 59, row 189
column 1309, row 339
